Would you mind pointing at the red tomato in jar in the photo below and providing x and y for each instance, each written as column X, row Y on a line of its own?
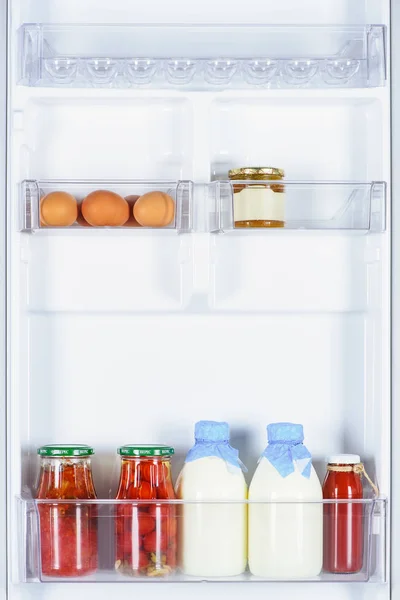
column 165, row 490
column 146, row 523
column 146, row 491
column 128, row 543
column 157, row 473
column 142, row 492
column 155, row 541
column 147, row 471
column 164, row 518
column 132, row 493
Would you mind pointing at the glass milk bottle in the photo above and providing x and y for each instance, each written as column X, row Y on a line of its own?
column 212, row 529
column 285, row 532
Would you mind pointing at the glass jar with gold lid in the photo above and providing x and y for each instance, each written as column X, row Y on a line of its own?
column 258, row 204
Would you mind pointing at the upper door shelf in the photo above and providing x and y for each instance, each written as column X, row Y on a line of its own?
column 221, row 206
column 202, row 57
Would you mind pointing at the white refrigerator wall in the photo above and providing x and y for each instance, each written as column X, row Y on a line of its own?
column 118, row 338
column 330, row 12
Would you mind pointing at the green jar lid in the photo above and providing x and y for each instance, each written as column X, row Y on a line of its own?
column 145, row 450
column 58, row 450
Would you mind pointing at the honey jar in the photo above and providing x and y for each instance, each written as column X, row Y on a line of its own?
column 258, row 204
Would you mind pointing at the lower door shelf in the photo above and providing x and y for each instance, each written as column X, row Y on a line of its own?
column 176, row 541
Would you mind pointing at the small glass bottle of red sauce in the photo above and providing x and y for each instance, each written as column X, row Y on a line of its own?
column 145, row 533
column 343, row 522
column 68, row 532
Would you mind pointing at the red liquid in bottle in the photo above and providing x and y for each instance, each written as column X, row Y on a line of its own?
column 343, row 523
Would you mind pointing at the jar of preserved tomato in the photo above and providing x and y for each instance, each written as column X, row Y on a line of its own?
column 258, row 204
column 343, row 522
column 68, row 530
column 145, row 532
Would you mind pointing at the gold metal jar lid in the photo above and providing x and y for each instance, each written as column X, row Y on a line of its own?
column 258, row 173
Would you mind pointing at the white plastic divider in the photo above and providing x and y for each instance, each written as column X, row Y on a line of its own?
column 347, row 206
column 202, row 56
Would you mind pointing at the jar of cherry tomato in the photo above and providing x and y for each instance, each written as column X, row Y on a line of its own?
column 68, row 531
column 343, row 522
column 145, row 532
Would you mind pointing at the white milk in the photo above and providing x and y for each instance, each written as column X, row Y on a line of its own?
column 285, row 540
column 212, row 537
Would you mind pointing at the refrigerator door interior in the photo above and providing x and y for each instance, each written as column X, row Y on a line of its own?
column 129, row 324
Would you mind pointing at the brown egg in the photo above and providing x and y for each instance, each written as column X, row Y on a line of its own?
column 131, row 200
column 154, row 209
column 58, row 209
column 80, row 220
column 103, row 208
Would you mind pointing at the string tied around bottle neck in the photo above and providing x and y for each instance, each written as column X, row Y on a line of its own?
column 357, row 468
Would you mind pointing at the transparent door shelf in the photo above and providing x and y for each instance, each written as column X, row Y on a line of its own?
column 34, row 191
column 312, row 205
column 202, row 57
column 104, row 513
column 347, row 206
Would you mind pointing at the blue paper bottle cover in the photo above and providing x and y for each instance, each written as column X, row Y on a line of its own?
column 212, row 439
column 285, row 445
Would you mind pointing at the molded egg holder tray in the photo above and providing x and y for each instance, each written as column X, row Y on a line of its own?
column 357, row 207
column 372, row 514
column 202, row 56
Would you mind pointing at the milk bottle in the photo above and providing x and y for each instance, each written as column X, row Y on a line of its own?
column 285, row 532
column 213, row 531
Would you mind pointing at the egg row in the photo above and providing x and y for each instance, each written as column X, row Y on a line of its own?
column 103, row 208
